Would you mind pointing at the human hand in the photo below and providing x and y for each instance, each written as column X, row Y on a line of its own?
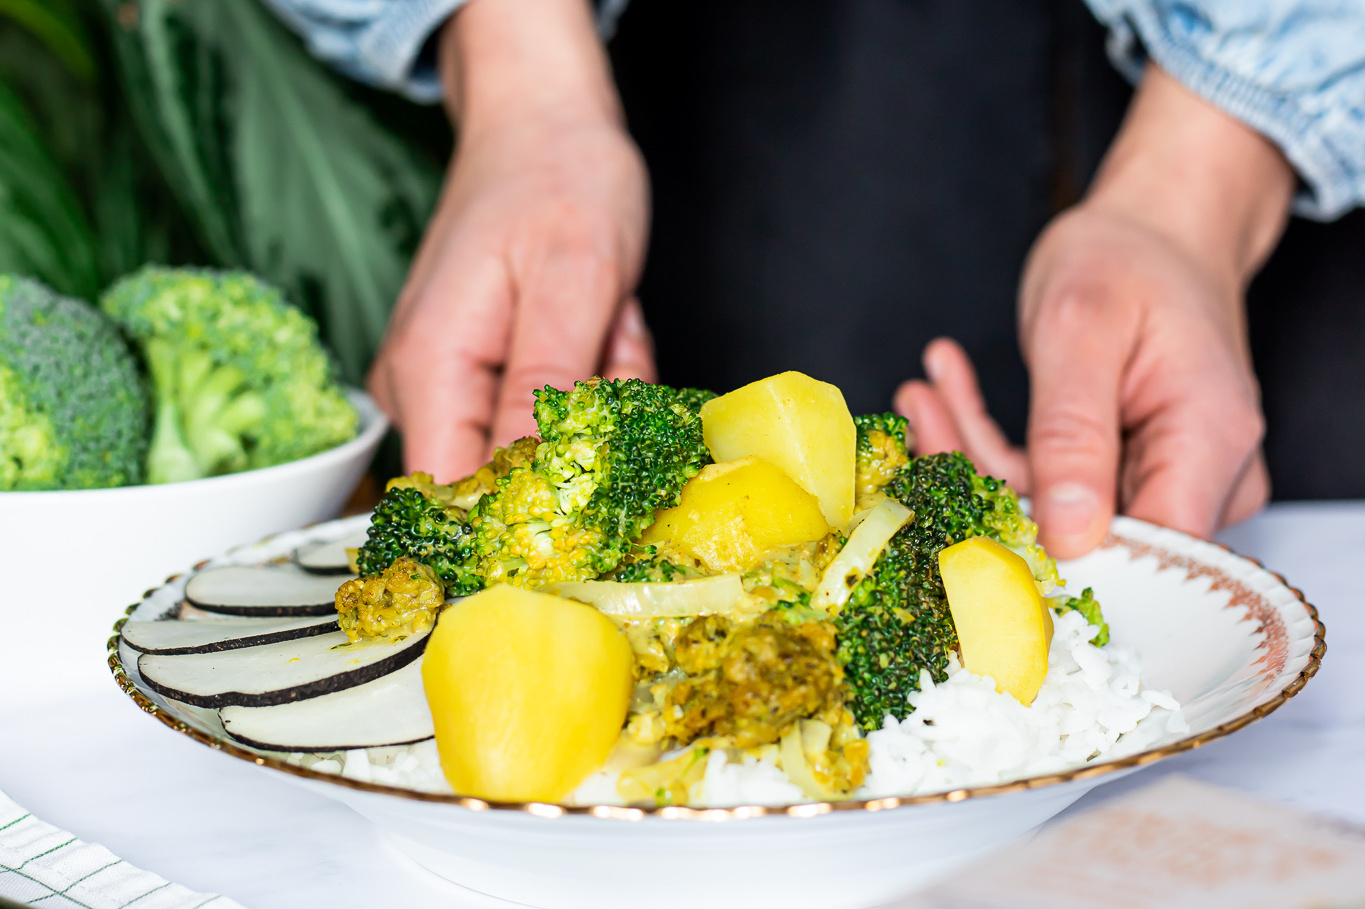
column 1131, row 323
column 526, row 274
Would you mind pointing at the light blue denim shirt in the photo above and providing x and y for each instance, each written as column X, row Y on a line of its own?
column 1292, row 69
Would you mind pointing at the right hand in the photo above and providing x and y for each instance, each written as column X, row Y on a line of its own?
column 526, row 274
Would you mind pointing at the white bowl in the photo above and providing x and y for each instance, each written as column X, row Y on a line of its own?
column 72, row 556
column 1231, row 640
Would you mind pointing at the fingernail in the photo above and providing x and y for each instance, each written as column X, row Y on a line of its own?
column 1069, row 510
column 932, row 367
column 633, row 323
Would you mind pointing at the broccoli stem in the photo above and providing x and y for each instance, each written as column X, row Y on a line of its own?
column 204, row 416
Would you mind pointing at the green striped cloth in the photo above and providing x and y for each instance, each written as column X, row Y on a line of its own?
column 47, row 868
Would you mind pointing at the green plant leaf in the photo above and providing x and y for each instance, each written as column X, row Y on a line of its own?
column 57, row 25
column 282, row 170
column 43, row 231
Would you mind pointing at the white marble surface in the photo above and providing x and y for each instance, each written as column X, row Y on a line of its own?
column 92, row 763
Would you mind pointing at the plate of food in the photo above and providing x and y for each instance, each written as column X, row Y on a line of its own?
column 744, row 649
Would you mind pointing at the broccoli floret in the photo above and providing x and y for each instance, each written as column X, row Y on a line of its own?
column 881, row 452
column 566, row 508
column 968, row 504
column 897, row 620
column 467, row 492
column 694, row 398
column 895, row 623
column 413, row 520
column 647, row 564
column 1088, row 606
column 73, row 408
column 404, row 599
column 240, row 378
column 614, row 454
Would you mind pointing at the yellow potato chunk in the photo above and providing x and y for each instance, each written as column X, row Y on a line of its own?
column 528, row 693
column 732, row 513
column 1003, row 625
column 801, row 425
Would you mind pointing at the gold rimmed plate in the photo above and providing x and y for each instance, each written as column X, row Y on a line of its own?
column 1231, row 640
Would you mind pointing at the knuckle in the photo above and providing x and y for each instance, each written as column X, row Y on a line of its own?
column 1071, row 430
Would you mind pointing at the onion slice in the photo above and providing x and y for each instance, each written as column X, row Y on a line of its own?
column 719, row 595
column 794, row 762
column 860, row 553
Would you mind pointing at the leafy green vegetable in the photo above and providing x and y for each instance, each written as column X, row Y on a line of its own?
column 58, row 26
column 43, row 229
column 282, row 171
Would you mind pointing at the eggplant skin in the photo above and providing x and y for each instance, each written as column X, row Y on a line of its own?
column 338, row 682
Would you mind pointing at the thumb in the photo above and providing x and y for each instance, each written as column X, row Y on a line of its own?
column 1074, row 423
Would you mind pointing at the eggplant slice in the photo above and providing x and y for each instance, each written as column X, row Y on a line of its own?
column 388, row 711
column 280, row 673
column 177, row 637
column 329, row 557
column 259, row 590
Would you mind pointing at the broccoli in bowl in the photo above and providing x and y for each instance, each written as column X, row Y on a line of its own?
column 179, row 374
column 238, row 376
column 73, row 408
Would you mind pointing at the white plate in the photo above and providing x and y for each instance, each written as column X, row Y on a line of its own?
column 1231, row 640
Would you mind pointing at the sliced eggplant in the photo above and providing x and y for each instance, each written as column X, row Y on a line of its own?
column 215, row 636
column 280, row 673
column 329, row 557
column 259, row 590
column 388, row 711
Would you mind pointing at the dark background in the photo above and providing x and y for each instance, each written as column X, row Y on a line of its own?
column 836, row 182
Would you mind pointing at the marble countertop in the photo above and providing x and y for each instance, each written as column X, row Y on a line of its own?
column 90, row 762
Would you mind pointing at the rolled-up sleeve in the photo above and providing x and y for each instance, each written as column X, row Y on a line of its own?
column 380, row 42
column 384, row 42
column 1292, row 69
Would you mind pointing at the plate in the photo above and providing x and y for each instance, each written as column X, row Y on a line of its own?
column 1230, row 639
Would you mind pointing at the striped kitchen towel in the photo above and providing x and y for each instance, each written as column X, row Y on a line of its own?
column 47, row 868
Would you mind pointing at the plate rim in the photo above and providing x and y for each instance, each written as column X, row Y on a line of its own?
column 738, row 812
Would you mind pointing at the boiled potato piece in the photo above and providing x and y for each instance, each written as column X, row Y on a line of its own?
column 1003, row 625
column 732, row 513
column 801, row 425
column 528, row 693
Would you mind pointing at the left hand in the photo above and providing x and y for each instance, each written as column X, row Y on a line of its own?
column 1132, row 325
column 1143, row 398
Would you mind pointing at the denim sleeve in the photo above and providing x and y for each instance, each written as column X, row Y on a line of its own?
column 384, row 42
column 1292, row 69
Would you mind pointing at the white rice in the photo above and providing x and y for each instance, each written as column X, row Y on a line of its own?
column 961, row 733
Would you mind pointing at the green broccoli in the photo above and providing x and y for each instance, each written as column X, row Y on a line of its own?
column 1088, row 606
column 239, row 376
column 694, row 398
column 73, row 408
column 647, row 564
column 614, row 454
column 896, row 621
column 881, row 453
column 414, row 520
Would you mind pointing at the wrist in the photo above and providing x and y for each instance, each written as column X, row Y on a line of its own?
column 525, row 60
column 1184, row 168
